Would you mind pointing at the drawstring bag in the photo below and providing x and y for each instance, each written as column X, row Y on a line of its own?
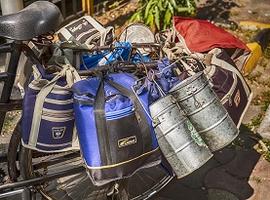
column 224, row 76
column 229, row 84
column 115, row 133
column 48, row 118
column 164, row 77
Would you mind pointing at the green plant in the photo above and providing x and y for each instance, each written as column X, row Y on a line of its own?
column 158, row 13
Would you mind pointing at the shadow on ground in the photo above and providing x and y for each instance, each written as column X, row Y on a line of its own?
column 217, row 11
column 214, row 9
column 224, row 177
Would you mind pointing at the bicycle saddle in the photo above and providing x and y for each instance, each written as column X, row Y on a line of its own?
column 36, row 19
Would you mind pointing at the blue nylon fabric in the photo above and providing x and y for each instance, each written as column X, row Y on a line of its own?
column 114, row 100
column 59, row 97
column 46, row 138
column 85, row 124
column 86, row 90
column 92, row 60
column 164, row 77
column 116, row 107
column 121, row 54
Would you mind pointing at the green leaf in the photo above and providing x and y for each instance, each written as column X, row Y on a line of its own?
column 161, row 5
column 158, row 13
column 166, row 4
column 150, row 20
column 173, row 3
column 183, row 9
column 167, row 19
column 137, row 17
column 148, row 7
column 157, row 18
column 170, row 7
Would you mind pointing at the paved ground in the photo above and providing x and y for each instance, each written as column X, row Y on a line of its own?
column 236, row 173
column 236, row 10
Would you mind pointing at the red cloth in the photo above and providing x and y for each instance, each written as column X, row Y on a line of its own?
column 202, row 36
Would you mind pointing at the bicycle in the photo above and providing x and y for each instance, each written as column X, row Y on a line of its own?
column 44, row 172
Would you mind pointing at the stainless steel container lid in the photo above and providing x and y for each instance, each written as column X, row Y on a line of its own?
column 186, row 82
column 138, row 33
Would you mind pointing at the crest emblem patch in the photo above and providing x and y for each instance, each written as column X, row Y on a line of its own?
column 58, row 132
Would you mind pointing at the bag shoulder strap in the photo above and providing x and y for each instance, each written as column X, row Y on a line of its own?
column 101, row 126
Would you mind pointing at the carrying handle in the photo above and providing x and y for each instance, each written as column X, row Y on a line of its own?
column 163, row 94
column 101, row 126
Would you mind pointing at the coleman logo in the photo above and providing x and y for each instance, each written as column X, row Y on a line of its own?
column 58, row 132
column 237, row 98
column 127, row 141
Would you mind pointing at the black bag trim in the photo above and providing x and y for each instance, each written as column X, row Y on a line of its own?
column 155, row 151
column 125, row 170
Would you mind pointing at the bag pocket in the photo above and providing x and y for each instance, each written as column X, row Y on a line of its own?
column 56, row 130
column 124, row 135
column 236, row 101
column 230, row 90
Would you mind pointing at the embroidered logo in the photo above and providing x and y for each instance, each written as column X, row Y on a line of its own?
column 58, row 132
column 237, row 98
column 127, row 141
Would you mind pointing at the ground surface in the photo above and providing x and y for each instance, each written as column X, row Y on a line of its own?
column 240, row 171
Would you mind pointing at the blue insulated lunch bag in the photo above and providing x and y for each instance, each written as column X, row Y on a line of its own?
column 48, row 118
column 115, row 133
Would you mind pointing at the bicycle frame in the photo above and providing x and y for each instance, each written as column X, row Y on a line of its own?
column 8, row 77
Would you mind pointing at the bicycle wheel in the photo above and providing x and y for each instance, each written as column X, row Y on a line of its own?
column 12, row 158
column 140, row 186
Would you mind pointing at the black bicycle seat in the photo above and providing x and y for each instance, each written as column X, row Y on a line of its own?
column 36, row 19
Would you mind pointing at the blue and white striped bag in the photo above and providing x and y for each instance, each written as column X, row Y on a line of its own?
column 48, row 118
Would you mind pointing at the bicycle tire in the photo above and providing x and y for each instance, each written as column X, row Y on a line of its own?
column 142, row 193
column 12, row 158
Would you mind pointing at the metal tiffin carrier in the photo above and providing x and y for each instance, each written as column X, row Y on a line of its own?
column 205, row 111
column 180, row 143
